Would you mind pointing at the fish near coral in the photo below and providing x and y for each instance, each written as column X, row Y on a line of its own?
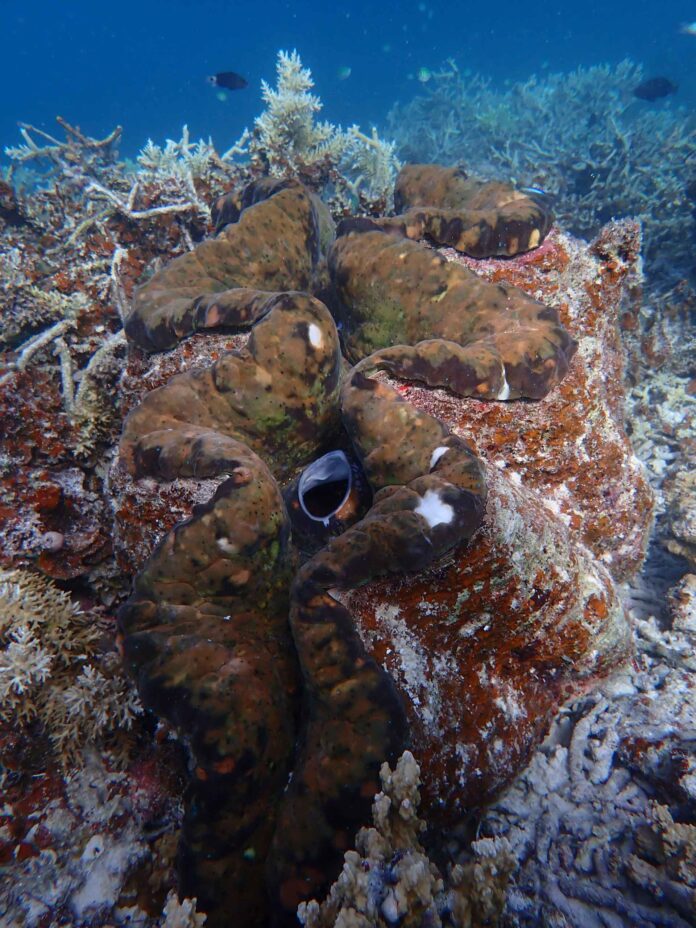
column 228, row 80
column 654, row 89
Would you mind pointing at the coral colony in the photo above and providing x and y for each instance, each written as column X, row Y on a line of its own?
column 339, row 489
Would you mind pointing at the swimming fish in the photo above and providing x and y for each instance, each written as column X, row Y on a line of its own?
column 534, row 190
column 229, row 80
column 344, row 73
column 539, row 194
column 654, row 88
column 688, row 28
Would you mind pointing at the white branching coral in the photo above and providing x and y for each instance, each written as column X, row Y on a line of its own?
column 53, row 670
column 389, row 879
column 182, row 170
column 182, row 158
column 289, row 140
column 369, row 164
column 286, row 132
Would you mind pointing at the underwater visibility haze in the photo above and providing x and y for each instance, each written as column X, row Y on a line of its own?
column 347, row 495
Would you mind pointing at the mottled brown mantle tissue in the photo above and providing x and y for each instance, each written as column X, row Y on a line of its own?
column 459, row 611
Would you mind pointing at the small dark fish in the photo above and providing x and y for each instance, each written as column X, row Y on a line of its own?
column 229, row 80
column 654, row 89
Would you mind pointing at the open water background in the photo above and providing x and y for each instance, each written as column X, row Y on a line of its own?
column 143, row 64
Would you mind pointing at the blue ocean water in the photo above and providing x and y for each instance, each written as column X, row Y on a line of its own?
column 143, row 64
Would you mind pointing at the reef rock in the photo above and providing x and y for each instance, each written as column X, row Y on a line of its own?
column 486, row 645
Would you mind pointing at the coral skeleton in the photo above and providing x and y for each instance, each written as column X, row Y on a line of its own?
column 181, row 914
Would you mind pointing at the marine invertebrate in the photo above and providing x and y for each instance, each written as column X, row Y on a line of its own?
column 463, row 333
column 277, row 397
column 482, row 219
column 389, row 878
column 53, row 671
column 215, row 285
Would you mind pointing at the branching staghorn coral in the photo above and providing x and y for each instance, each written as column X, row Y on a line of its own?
column 582, row 136
column 289, row 141
column 287, row 132
column 53, row 670
column 389, row 879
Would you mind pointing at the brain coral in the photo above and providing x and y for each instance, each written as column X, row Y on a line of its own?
column 250, row 652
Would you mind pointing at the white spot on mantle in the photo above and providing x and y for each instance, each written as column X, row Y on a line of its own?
column 434, row 510
column 437, row 454
column 226, row 546
column 315, row 335
column 504, row 393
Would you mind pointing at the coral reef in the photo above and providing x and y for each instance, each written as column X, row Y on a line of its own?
column 581, row 136
column 602, row 821
column 56, row 678
column 389, row 878
column 97, row 846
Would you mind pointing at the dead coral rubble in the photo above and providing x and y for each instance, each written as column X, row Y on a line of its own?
column 603, row 820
